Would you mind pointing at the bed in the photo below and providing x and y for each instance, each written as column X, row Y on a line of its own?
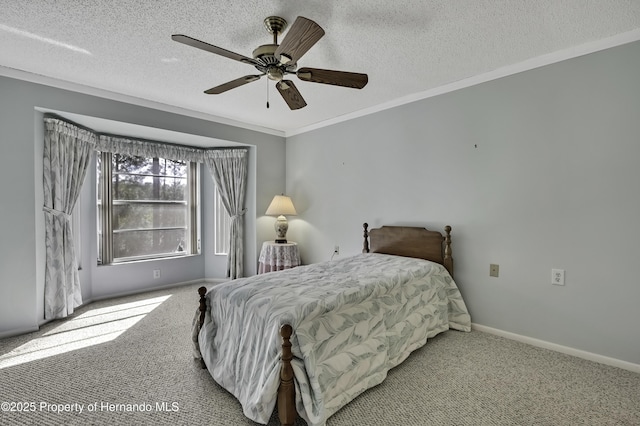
column 312, row 338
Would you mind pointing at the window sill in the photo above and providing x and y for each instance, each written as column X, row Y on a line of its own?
column 152, row 259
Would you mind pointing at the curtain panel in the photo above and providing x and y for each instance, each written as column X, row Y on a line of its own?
column 229, row 170
column 67, row 152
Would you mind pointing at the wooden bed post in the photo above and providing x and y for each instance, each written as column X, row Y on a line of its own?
column 448, row 260
column 365, row 247
column 203, row 304
column 203, row 309
column 286, row 390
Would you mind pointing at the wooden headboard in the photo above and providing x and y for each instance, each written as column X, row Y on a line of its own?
column 410, row 241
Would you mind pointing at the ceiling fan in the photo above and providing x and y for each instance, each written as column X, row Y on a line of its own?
column 277, row 61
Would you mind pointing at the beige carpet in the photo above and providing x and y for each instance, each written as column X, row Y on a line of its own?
column 128, row 361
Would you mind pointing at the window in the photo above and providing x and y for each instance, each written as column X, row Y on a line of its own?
column 147, row 208
column 222, row 225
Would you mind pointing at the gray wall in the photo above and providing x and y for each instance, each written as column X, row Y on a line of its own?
column 534, row 171
column 21, row 218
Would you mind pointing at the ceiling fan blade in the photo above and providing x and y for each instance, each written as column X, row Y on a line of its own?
column 290, row 93
column 180, row 38
column 303, row 34
column 232, row 84
column 337, row 78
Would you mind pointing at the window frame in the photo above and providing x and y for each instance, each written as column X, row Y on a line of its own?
column 105, row 203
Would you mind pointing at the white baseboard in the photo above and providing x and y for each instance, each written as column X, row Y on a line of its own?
column 17, row 331
column 559, row 348
column 141, row 290
column 215, row 280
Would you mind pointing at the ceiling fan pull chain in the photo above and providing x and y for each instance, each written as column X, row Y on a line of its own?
column 267, row 94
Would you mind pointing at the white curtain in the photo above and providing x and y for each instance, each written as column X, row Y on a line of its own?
column 67, row 151
column 228, row 168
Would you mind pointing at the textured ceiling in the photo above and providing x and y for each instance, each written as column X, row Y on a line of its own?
column 407, row 48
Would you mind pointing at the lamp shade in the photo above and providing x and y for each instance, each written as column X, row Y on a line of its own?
column 281, row 205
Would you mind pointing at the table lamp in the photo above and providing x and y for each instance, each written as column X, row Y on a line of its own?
column 281, row 205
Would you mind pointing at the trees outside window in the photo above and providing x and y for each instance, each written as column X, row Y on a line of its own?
column 146, row 207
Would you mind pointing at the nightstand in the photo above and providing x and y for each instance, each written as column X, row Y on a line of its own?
column 276, row 257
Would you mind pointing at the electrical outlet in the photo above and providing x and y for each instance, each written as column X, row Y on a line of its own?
column 557, row 276
column 156, row 273
column 336, row 250
column 494, row 270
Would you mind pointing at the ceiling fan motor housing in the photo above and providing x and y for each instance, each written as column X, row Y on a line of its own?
column 265, row 53
column 274, row 69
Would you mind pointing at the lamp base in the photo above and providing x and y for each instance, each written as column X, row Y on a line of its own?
column 281, row 227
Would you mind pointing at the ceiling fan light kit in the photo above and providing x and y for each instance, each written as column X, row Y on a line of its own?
column 278, row 60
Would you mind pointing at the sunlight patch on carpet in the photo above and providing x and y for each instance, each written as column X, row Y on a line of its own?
column 93, row 327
